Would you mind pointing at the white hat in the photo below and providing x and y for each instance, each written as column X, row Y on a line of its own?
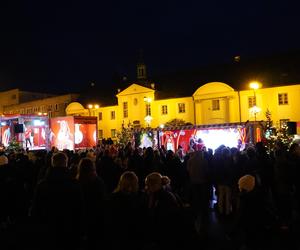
column 3, row 160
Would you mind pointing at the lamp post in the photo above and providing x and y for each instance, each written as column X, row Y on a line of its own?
column 254, row 109
column 148, row 118
column 92, row 107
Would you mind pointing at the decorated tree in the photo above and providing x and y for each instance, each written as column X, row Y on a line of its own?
column 14, row 145
column 125, row 135
column 276, row 135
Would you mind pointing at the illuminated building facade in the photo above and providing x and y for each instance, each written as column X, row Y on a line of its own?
column 16, row 101
column 212, row 103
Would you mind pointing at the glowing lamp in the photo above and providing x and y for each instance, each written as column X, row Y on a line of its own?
column 162, row 125
column 90, row 106
column 254, row 85
column 147, row 99
column 96, row 106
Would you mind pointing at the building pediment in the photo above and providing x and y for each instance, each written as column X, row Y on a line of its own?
column 135, row 89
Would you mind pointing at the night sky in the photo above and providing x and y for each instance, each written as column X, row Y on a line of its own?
column 62, row 46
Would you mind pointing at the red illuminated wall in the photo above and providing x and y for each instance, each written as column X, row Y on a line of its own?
column 85, row 135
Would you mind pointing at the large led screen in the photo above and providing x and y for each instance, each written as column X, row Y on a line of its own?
column 196, row 139
column 61, row 133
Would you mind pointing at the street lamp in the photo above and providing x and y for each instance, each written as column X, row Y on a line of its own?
column 148, row 117
column 91, row 106
column 254, row 109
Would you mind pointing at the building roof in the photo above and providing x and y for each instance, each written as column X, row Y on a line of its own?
column 271, row 71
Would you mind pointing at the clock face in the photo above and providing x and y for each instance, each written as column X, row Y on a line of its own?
column 135, row 101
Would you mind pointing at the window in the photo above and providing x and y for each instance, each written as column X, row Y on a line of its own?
column 21, row 111
column 125, row 109
column 35, row 109
column 100, row 116
column 216, row 104
column 148, row 109
column 50, row 107
column 135, row 101
column 112, row 115
column 100, row 133
column 164, row 109
column 56, row 107
column 29, row 110
column 113, row 133
column 283, row 99
column 181, row 107
column 251, row 101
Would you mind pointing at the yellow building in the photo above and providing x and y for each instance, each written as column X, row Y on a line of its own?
column 16, row 101
column 211, row 103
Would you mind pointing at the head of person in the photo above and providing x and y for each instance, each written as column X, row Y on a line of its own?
column 3, row 160
column 153, row 182
column 128, row 183
column 246, row 183
column 86, row 169
column 166, row 183
column 59, row 160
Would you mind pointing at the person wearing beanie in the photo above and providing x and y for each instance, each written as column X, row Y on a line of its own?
column 3, row 160
column 246, row 183
column 250, row 219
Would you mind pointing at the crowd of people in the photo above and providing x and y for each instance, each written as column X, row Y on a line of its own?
column 141, row 198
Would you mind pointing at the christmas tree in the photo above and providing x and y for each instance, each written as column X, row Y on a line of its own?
column 125, row 135
column 276, row 135
column 14, row 145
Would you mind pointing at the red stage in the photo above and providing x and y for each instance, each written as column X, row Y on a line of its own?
column 29, row 130
column 73, row 132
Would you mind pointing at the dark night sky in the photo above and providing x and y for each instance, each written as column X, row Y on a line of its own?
column 64, row 45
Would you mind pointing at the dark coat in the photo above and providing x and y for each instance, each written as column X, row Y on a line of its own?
column 58, row 208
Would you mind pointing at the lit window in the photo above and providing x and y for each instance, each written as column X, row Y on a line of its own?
column 112, row 115
column 148, row 109
column 216, row 104
column 100, row 116
column 251, row 101
column 181, row 107
column 125, row 109
column 100, row 133
column 164, row 109
column 113, row 133
column 283, row 99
